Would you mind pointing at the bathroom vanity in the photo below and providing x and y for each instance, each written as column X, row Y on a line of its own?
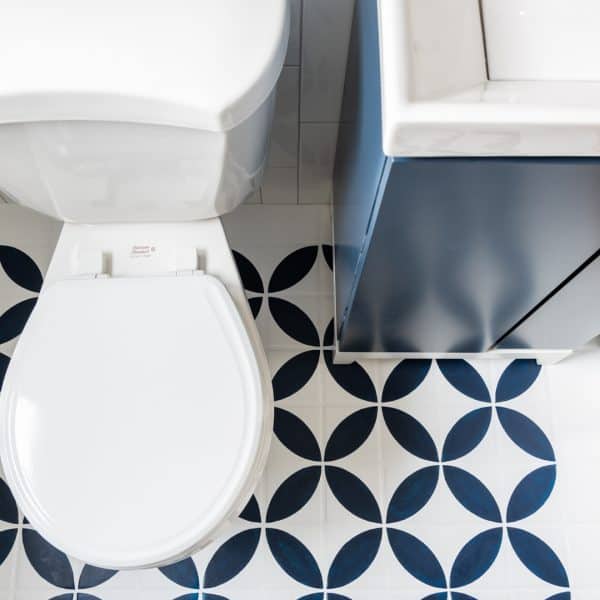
column 467, row 182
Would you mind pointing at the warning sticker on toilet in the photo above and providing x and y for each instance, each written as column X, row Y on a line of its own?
column 142, row 251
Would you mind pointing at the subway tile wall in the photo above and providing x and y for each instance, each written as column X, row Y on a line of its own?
column 300, row 164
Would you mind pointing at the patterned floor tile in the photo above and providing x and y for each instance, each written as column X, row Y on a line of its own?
column 413, row 480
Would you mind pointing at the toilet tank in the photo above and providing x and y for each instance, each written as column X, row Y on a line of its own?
column 106, row 171
column 131, row 110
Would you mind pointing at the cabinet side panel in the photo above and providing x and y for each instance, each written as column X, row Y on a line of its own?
column 359, row 157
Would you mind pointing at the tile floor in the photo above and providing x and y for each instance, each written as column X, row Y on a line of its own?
column 413, row 480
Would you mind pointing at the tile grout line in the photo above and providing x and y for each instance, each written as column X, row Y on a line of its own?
column 558, row 492
column 380, row 456
column 299, row 129
column 15, row 566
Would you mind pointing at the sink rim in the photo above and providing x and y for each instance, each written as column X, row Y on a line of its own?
column 476, row 117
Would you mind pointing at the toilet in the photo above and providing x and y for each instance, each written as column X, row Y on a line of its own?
column 136, row 413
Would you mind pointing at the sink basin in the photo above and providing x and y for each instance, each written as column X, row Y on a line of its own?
column 490, row 78
column 542, row 39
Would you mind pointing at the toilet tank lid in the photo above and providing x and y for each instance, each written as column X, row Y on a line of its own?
column 204, row 64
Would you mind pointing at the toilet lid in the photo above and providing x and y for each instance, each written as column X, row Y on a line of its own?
column 132, row 416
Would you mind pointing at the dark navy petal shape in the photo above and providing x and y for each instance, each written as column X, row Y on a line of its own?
column 406, row 377
column 293, row 433
column 8, row 506
column 410, row 434
column 437, row 596
column 294, row 321
column 328, row 336
column 525, row 433
column 412, row 494
column 207, row 596
column 21, row 268
column 183, row 573
column 351, row 433
column 293, row 375
column 4, row 362
column 251, row 512
column 461, row 596
column 79, row 596
column 49, row 562
column 476, row 557
column 7, row 539
column 472, row 494
column 293, row 268
column 538, row 557
column 248, row 273
column 353, row 378
column 531, row 493
column 255, row 304
column 353, row 494
column 517, row 379
column 561, row 596
column 92, row 576
column 13, row 321
column 293, row 493
column 231, row 557
column 354, row 558
column 467, row 433
column 193, row 596
column 321, row 596
column 416, row 558
column 462, row 376
column 328, row 254
column 294, row 558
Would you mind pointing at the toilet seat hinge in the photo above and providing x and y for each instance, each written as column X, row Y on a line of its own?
column 186, row 262
column 90, row 264
column 188, row 273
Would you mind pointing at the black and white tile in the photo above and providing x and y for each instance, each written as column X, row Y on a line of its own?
column 414, row 479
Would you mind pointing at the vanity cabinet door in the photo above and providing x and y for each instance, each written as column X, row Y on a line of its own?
column 567, row 320
column 459, row 250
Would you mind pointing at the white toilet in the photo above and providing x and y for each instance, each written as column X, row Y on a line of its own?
column 136, row 414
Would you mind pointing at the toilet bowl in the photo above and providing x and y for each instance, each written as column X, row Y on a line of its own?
column 136, row 413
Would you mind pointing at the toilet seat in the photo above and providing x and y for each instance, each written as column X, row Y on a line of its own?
column 166, row 444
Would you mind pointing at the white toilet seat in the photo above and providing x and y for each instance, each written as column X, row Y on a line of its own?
column 167, row 443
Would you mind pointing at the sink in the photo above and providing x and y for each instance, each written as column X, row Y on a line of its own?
column 542, row 39
column 490, row 77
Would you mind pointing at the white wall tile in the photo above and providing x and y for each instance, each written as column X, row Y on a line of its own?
column 326, row 28
column 287, row 226
column 284, row 136
column 280, row 185
column 309, row 91
column 293, row 52
column 317, row 156
column 256, row 198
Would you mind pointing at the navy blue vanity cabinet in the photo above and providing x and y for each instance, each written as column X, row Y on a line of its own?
column 451, row 254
